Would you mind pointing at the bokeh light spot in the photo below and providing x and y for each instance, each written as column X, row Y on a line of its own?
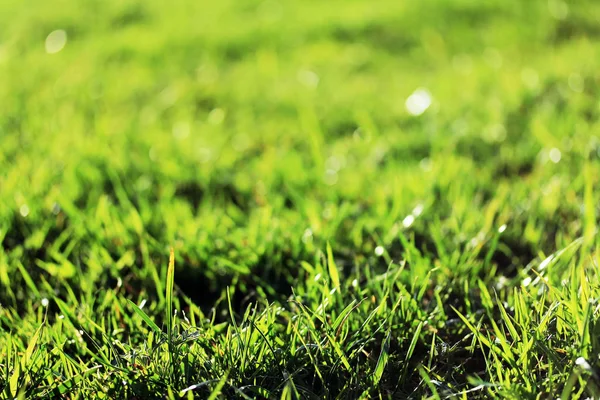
column 56, row 41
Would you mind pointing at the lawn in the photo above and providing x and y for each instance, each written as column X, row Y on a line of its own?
column 299, row 199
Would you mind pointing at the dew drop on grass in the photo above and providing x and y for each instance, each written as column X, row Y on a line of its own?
column 418, row 102
column 56, row 41
column 418, row 210
column 583, row 363
column 408, row 221
column 546, row 262
column 555, row 155
column 501, row 283
column 355, row 283
column 502, row 228
column 379, row 251
column 307, row 236
column 527, row 281
column 55, row 208
column 24, row 210
column 45, row 302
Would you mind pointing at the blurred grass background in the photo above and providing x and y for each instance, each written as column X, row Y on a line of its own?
column 249, row 133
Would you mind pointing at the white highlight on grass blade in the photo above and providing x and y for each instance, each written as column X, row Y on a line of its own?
column 418, row 102
column 317, row 277
column 555, row 155
column 477, row 240
column 526, row 281
column 56, row 41
column 61, row 316
column 24, row 210
column 142, row 304
column 583, row 363
column 408, row 221
column 307, row 236
column 45, row 302
column 418, row 210
column 502, row 228
column 193, row 387
column 354, row 283
column 501, row 283
column 546, row 262
column 379, row 251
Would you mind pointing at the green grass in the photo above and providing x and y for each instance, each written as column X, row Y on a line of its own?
column 325, row 242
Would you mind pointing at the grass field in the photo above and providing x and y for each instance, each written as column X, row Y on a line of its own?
column 392, row 199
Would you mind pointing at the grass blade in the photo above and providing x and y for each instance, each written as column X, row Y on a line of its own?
column 217, row 390
column 169, row 295
column 145, row 317
column 384, row 355
column 333, row 271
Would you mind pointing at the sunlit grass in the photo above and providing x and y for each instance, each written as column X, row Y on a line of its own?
column 299, row 199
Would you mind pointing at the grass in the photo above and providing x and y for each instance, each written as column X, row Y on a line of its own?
column 359, row 201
